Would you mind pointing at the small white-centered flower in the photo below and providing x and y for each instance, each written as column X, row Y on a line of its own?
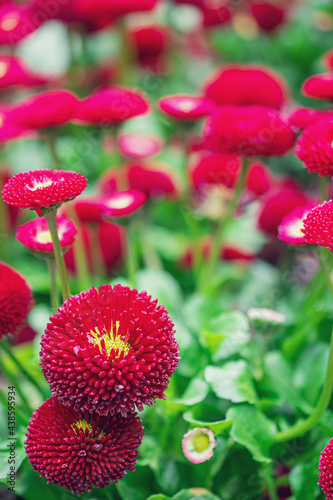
column 198, row 445
column 261, row 316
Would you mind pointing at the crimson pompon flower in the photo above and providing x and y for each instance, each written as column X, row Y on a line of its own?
column 317, row 226
column 248, row 130
column 110, row 105
column 16, row 301
column 303, row 117
column 314, row 147
column 246, row 85
column 43, row 190
column 36, row 235
column 109, row 350
column 79, row 451
column 319, row 86
column 326, row 470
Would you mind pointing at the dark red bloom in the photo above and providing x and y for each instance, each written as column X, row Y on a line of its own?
column 16, row 301
column 149, row 41
column 185, row 106
column 259, row 179
column 154, row 179
column 317, row 226
column 326, row 470
column 277, row 205
column 36, row 236
column 319, row 86
column 110, row 105
column 109, row 350
column 114, row 8
column 214, row 13
column 247, row 85
column 214, row 168
column 13, row 71
column 303, row 117
column 139, row 146
column 44, row 110
column 79, row 451
column 248, row 130
column 268, row 15
column 40, row 189
column 314, row 147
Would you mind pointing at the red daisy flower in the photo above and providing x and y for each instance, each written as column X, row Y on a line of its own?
column 214, row 168
column 41, row 189
column 149, row 41
column 268, row 15
column 36, row 236
column 326, row 470
column 154, row 179
column 44, row 110
column 16, row 300
column 290, row 229
column 109, row 105
column 79, row 451
column 185, row 106
column 109, row 350
column 9, row 129
column 247, row 85
column 317, row 226
column 248, row 130
column 319, row 86
column 303, row 117
column 139, row 146
column 314, row 147
column 13, row 71
column 259, row 179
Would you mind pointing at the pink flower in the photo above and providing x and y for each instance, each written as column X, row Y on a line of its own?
column 198, row 445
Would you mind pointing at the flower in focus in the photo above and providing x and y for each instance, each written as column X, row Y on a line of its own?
column 290, row 229
column 317, row 226
column 13, row 71
column 16, row 301
column 79, row 451
column 111, row 105
column 139, row 146
column 246, row 85
column 319, row 86
column 36, row 236
column 47, row 109
column 326, row 470
column 43, row 190
column 198, row 445
column 303, row 117
column 248, row 130
column 109, row 350
column 185, row 106
column 314, row 147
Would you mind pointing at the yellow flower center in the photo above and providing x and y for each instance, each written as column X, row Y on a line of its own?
column 83, row 425
column 110, row 341
column 43, row 237
column 40, row 184
column 201, row 443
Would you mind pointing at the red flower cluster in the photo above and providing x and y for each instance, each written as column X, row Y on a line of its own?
column 109, row 350
column 326, row 470
column 77, row 450
column 314, row 147
column 16, row 300
column 317, row 226
column 303, row 117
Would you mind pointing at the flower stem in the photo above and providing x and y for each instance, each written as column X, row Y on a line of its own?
column 267, row 474
column 14, row 381
column 21, row 417
column 324, row 188
column 80, row 254
column 54, row 288
column 50, row 138
column 9, row 351
column 131, row 255
column 51, row 219
column 209, row 270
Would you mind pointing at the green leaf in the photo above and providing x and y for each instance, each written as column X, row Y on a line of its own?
column 310, row 381
column 198, row 310
column 232, row 382
column 190, row 494
column 252, row 429
column 217, row 427
column 161, row 285
column 195, row 392
column 303, row 480
column 225, row 334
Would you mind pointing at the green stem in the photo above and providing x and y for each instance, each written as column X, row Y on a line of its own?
column 9, row 351
column 14, row 381
column 80, row 255
column 50, row 138
column 51, row 219
column 54, row 288
column 209, row 270
column 150, row 256
column 131, row 255
column 97, row 256
column 306, row 425
column 324, row 188
column 323, row 257
column 267, row 474
column 19, row 415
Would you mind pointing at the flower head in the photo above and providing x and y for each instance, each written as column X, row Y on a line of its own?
column 326, row 470
column 198, row 445
column 114, row 8
column 246, row 85
column 303, row 117
column 79, row 451
column 265, row 317
column 317, row 226
column 16, row 300
column 139, row 146
column 268, row 15
column 13, row 71
column 16, row 22
column 111, row 105
column 259, row 179
column 290, row 229
column 248, row 130
column 185, row 106
column 36, row 236
column 154, row 179
column 319, row 86
column 214, row 168
column 44, row 110
column 41, row 189
column 314, row 147
column 109, row 350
